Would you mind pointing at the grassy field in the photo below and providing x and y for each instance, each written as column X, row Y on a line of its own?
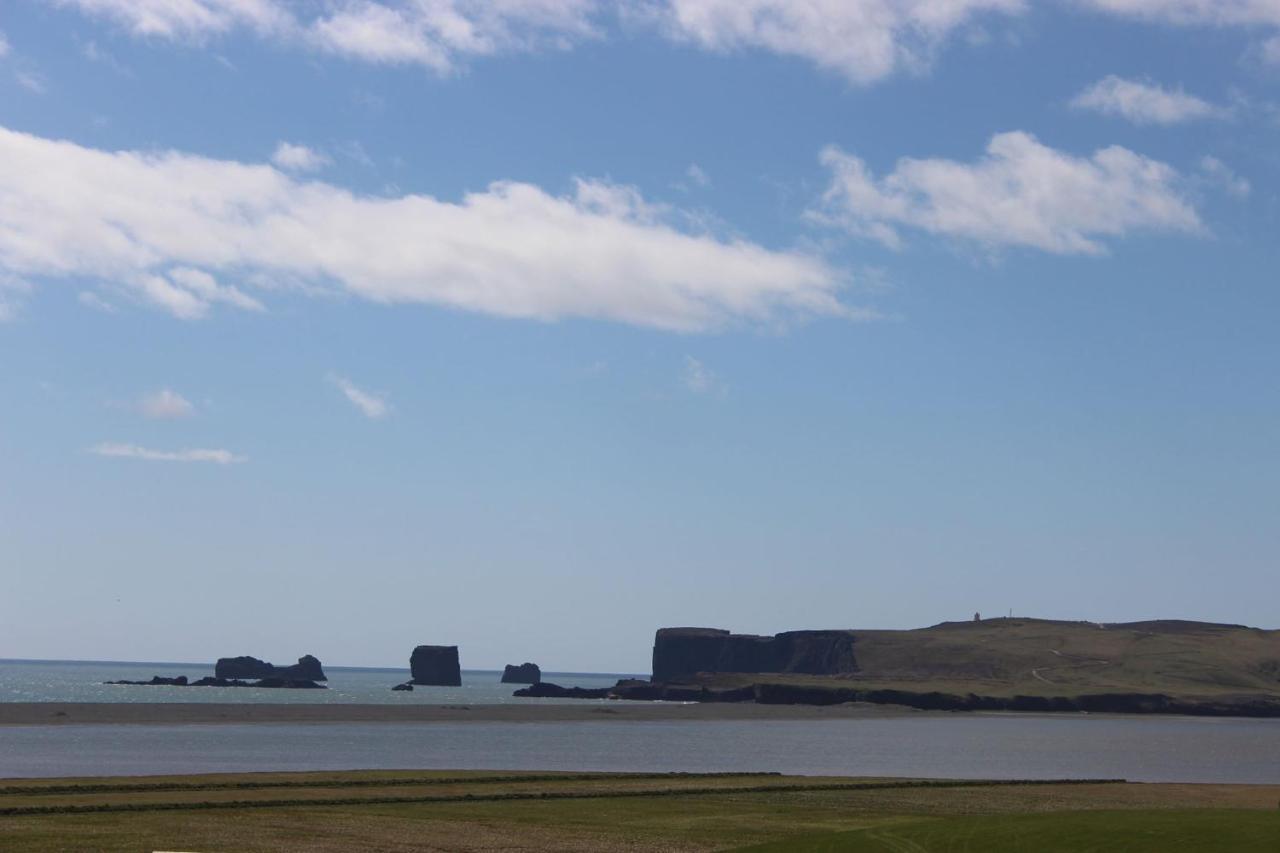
column 474, row 811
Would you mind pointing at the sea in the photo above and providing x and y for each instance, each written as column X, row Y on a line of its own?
column 957, row 746
column 83, row 681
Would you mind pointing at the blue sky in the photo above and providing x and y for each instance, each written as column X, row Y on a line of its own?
column 532, row 326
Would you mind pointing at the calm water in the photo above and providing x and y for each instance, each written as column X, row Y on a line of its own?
column 81, row 681
column 1151, row 750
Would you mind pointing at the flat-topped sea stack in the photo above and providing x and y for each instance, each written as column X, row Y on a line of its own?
column 525, row 673
column 435, row 666
column 306, row 669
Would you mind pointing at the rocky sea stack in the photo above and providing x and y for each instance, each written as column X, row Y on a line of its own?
column 435, row 666
column 306, row 669
column 525, row 673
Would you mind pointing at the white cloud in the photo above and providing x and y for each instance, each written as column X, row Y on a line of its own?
column 700, row 379
column 188, row 19
column 864, row 40
column 298, row 158
column 165, row 404
column 4, row 44
column 11, row 288
column 437, row 34
column 697, row 175
column 1271, row 51
column 1216, row 12
column 1144, row 103
column 32, row 82
column 1022, row 193
column 89, row 299
column 217, row 456
column 371, row 405
column 1221, row 175
column 161, row 226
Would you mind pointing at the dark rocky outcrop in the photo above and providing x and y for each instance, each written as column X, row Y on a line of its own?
column 435, row 666
column 547, row 690
column 405, row 686
column 306, row 669
column 215, row 681
column 157, row 681
column 683, row 652
column 525, row 673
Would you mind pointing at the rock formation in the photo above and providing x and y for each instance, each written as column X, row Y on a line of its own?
column 435, row 666
column 405, row 686
column 215, row 681
column 545, row 689
column 157, row 680
column 306, row 669
column 683, row 652
column 525, row 673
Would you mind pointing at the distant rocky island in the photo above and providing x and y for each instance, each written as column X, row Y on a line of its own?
column 232, row 672
column 307, row 668
column 1015, row 664
column 435, row 666
column 525, row 673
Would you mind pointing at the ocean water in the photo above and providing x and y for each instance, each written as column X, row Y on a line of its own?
column 953, row 746
column 82, row 681
column 1150, row 749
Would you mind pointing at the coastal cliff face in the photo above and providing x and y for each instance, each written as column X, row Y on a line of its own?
column 435, row 666
column 525, row 673
column 307, row 668
column 683, row 652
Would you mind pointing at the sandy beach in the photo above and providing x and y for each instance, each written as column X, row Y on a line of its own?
column 71, row 713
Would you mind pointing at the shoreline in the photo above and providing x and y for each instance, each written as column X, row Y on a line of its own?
column 262, row 713
column 230, row 713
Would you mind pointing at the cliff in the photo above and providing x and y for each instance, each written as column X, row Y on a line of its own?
column 307, row 668
column 435, row 666
column 684, row 652
column 525, row 673
column 1157, row 666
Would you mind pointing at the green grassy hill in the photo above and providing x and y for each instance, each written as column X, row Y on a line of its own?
column 1040, row 657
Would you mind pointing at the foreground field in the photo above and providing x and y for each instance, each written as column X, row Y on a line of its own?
column 473, row 811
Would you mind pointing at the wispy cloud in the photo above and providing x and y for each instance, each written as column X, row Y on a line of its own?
column 32, row 82
column 1144, row 102
column 1190, row 12
column 371, row 405
column 132, row 451
column 185, row 233
column 695, row 174
column 298, row 158
column 700, row 379
column 863, row 40
column 165, row 404
column 89, row 299
column 1222, row 176
column 4, row 44
column 1021, row 193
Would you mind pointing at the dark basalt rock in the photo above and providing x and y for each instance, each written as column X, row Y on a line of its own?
column 214, row 681
column 547, row 690
column 306, row 669
column 405, row 686
column 156, row 681
column 525, row 673
column 435, row 666
column 682, row 652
